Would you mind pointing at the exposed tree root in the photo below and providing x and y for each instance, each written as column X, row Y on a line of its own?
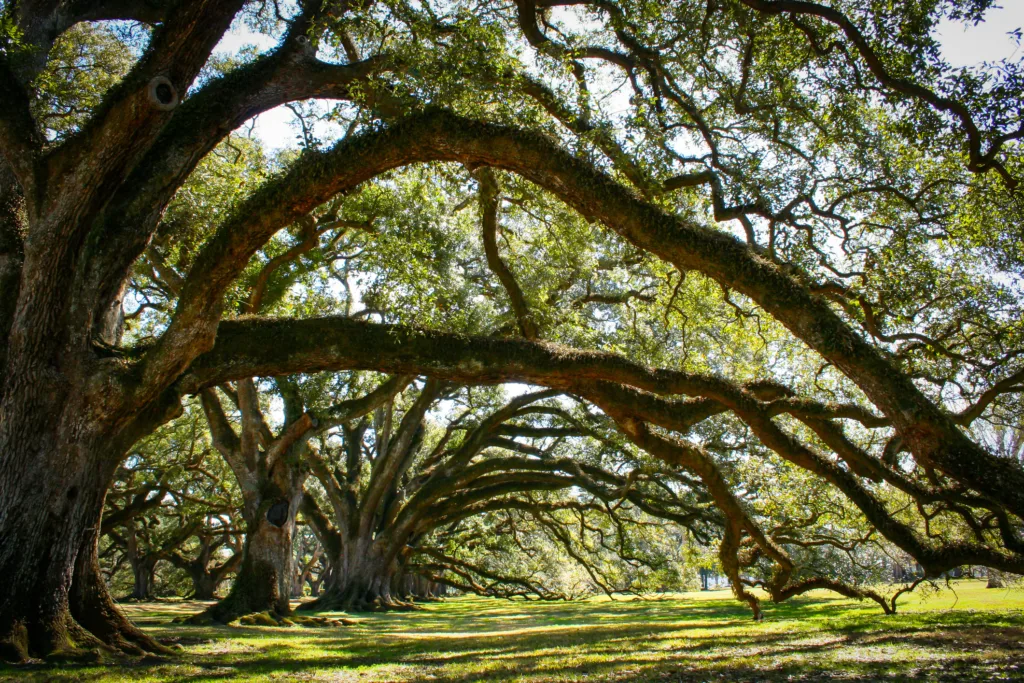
column 68, row 640
column 58, row 640
column 256, row 601
column 354, row 600
column 87, row 627
column 255, row 591
column 94, row 610
column 268, row 618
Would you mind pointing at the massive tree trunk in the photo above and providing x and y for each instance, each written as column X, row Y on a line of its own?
column 271, row 472
column 55, row 601
column 51, row 481
column 63, row 400
column 359, row 541
column 144, row 573
column 264, row 581
column 143, row 569
column 361, row 579
column 65, row 424
column 45, row 512
column 94, row 609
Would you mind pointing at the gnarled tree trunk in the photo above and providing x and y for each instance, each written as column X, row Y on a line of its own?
column 271, row 472
column 361, row 580
column 68, row 409
column 45, row 512
column 55, row 601
column 263, row 583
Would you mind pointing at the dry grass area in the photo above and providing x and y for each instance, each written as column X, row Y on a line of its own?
column 966, row 633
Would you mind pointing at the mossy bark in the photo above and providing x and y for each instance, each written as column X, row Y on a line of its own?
column 93, row 608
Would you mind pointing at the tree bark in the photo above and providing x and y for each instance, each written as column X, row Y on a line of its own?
column 44, row 512
column 93, row 608
column 55, row 602
column 360, row 581
column 264, row 580
column 12, row 253
column 144, row 571
column 63, row 400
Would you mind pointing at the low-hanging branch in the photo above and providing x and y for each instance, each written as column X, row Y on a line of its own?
column 609, row 382
column 928, row 432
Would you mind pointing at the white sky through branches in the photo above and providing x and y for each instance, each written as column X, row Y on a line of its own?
column 962, row 45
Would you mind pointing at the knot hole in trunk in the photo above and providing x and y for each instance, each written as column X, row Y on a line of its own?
column 278, row 513
column 162, row 93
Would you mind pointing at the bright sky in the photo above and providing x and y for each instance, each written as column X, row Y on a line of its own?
column 961, row 46
column 987, row 42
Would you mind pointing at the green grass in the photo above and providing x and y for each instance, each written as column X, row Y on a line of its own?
column 966, row 634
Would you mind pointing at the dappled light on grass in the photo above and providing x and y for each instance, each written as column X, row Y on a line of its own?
column 688, row 637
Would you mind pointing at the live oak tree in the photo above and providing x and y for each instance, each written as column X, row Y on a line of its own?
column 816, row 170
column 214, row 555
column 388, row 485
column 271, row 469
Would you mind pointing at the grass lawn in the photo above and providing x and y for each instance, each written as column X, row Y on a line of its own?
column 967, row 634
